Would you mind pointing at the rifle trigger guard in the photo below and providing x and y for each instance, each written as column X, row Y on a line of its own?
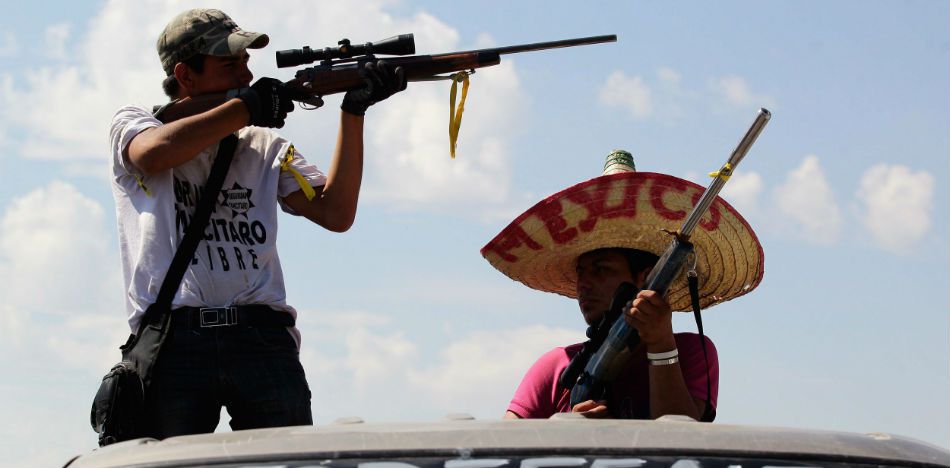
column 311, row 103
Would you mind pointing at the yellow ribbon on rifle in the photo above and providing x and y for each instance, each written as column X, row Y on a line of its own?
column 723, row 173
column 285, row 166
column 455, row 115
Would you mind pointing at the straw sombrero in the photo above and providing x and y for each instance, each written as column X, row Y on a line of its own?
column 625, row 208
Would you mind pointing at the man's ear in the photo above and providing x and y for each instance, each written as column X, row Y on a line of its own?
column 185, row 76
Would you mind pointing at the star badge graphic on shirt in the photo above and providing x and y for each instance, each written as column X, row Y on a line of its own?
column 238, row 199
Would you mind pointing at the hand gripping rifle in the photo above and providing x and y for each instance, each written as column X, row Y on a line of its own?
column 606, row 362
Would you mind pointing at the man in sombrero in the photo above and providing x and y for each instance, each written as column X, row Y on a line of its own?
column 585, row 241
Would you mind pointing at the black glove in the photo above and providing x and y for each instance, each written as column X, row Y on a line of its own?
column 268, row 101
column 381, row 81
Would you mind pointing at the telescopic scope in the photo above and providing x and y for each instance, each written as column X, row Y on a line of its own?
column 403, row 44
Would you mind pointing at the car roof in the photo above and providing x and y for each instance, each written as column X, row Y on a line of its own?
column 561, row 435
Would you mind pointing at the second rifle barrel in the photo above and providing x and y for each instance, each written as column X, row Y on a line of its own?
column 737, row 154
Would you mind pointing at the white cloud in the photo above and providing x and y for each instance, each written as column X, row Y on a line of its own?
column 805, row 200
column 376, row 358
column 670, row 98
column 63, row 110
column 55, row 247
column 411, row 136
column 743, row 191
column 630, row 93
column 90, row 340
column 663, row 97
column 479, row 373
column 363, row 366
column 735, row 92
column 62, row 316
column 485, row 41
column 60, row 272
column 348, row 320
column 98, row 170
column 56, row 38
column 897, row 205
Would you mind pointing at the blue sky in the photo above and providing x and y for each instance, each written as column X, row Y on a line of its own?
column 402, row 319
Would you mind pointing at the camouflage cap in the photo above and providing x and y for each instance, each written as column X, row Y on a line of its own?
column 203, row 31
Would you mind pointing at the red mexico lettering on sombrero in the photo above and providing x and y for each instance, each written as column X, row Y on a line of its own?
column 714, row 214
column 656, row 199
column 595, row 201
column 550, row 214
column 515, row 237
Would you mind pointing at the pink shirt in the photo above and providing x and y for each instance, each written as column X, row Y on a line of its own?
column 539, row 396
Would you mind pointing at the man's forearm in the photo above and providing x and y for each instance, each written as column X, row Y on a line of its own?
column 192, row 105
column 177, row 142
column 668, row 391
column 341, row 192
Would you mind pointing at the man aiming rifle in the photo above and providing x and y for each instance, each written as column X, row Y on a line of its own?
column 230, row 339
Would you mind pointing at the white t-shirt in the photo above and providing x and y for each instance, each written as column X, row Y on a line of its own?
column 236, row 263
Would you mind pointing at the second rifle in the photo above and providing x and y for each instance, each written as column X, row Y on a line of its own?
column 604, row 364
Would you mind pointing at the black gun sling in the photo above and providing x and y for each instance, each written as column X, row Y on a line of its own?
column 118, row 405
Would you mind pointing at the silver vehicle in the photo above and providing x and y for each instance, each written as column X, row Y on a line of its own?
column 566, row 441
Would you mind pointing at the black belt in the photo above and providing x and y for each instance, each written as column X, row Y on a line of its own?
column 240, row 315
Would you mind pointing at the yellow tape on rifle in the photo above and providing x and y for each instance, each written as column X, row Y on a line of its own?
column 455, row 115
column 285, row 166
column 724, row 173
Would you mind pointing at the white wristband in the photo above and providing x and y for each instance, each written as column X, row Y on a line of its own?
column 666, row 355
column 664, row 362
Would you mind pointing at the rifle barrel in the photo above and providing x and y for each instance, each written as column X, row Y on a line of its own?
column 737, row 154
column 556, row 44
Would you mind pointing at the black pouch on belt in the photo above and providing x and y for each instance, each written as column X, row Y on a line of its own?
column 118, row 404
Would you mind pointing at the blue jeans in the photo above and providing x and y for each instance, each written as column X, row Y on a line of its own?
column 254, row 372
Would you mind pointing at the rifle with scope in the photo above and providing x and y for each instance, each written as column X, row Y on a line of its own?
column 338, row 68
